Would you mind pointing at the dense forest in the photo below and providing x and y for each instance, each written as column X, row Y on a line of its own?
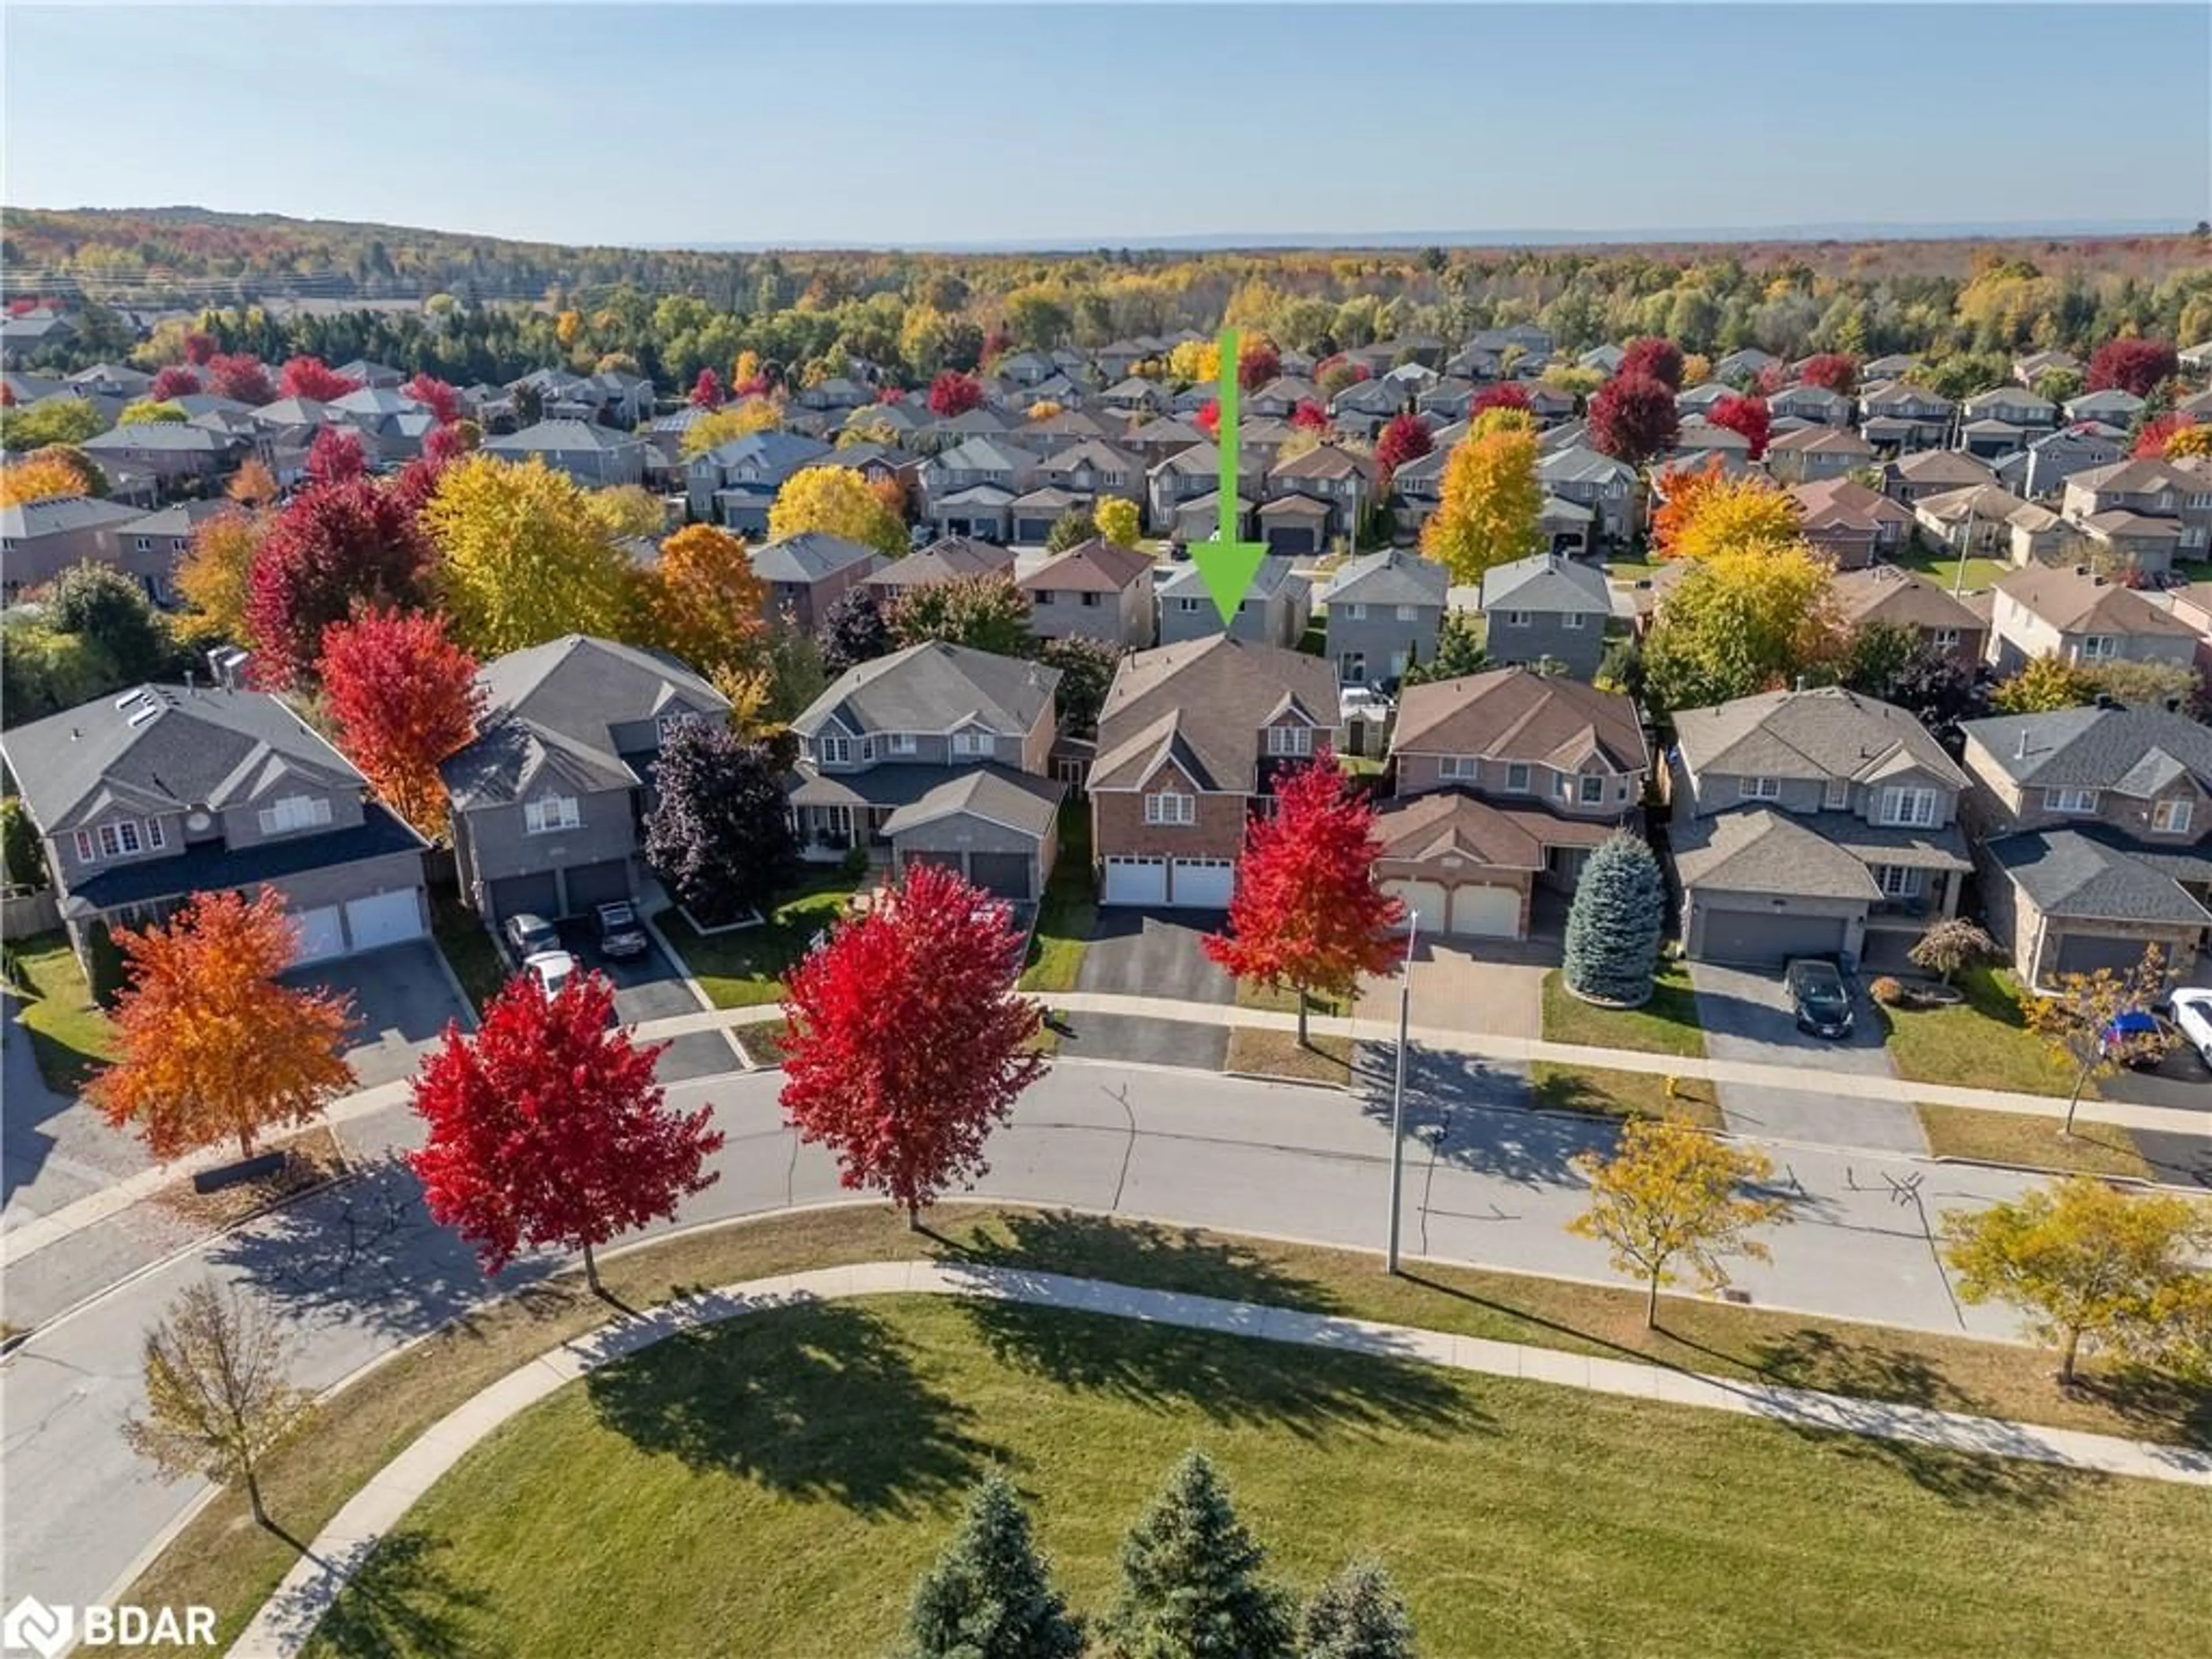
column 475, row 308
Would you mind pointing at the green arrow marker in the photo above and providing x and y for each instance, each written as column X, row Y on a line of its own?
column 1225, row 564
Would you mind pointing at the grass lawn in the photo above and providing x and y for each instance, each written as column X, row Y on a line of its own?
column 1254, row 994
column 1610, row 1093
column 1069, row 911
column 68, row 1034
column 1668, row 1025
column 790, row 1474
column 220, row 1559
column 1279, row 1054
column 762, row 1043
column 1979, row 1044
column 470, row 949
column 1941, row 565
column 745, row 969
column 2102, row 1149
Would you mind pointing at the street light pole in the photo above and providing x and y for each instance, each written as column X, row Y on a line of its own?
column 1398, row 1097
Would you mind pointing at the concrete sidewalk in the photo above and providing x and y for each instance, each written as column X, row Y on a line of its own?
column 287, row 1621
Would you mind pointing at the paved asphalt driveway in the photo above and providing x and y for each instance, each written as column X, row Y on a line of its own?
column 404, row 998
column 1746, row 1014
column 651, row 986
column 1151, row 953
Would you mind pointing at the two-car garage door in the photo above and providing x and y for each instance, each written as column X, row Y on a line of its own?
column 1468, row 911
column 1181, row 883
column 1755, row 936
column 358, row 925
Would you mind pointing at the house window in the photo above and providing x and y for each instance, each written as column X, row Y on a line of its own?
column 1045, row 597
column 1897, row 881
column 1516, row 777
column 1593, row 792
column 552, row 812
column 1091, row 598
column 1838, row 795
column 2069, row 800
column 1571, row 619
column 1170, row 807
column 1289, row 740
column 972, row 743
column 295, row 812
column 902, row 742
column 1351, row 667
column 1185, row 604
column 1914, row 808
column 1465, row 767
column 1947, row 638
column 2099, row 647
column 156, row 837
column 867, row 748
column 1405, row 613
column 88, row 850
column 2171, row 818
column 833, row 751
column 1760, row 788
column 1518, row 619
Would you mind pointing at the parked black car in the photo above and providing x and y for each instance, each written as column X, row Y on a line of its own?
column 1819, row 997
column 621, row 935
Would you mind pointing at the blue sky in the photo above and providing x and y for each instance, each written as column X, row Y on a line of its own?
column 836, row 125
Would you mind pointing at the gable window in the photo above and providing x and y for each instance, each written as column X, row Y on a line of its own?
column 2069, row 800
column 1571, row 619
column 88, row 850
column 1914, row 808
column 1518, row 618
column 1185, row 604
column 1593, row 791
column 903, row 743
column 549, row 813
column 1465, row 767
column 972, row 742
column 1760, row 788
column 1947, row 638
column 1169, row 806
column 1289, row 740
column 833, row 751
column 1897, row 881
column 295, row 812
column 1838, row 794
column 2099, row 647
column 1516, row 777
column 1406, row 612
column 2171, row 818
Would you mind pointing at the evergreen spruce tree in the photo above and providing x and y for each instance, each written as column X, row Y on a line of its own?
column 988, row 1596
column 1191, row 1583
column 1613, row 928
column 1358, row 1615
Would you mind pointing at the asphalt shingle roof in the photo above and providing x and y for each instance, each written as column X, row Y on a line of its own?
column 1827, row 733
column 1515, row 713
column 1204, row 700
column 1395, row 576
column 2081, row 875
column 1765, row 852
column 808, row 556
column 933, row 687
column 1547, row 583
column 2094, row 748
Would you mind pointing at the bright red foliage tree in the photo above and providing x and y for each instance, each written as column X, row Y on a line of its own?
column 1632, row 418
column 2151, row 442
column 241, row 376
column 174, row 381
column 1309, row 416
column 403, row 697
column 547, row 1128
column 1258, row 362
column 706, row 389
column 1654, row 356
column 336, row 456
column 908, row 1041
column 1208, row 418
column 337, row 544
column 310, row 377
column 1308, row 912
column 1403, row 437
column 436, row 395
column 199, row 348
column 2135, row 366
column 1748, row 415
column 1837, row 371
column 1503, row 396
column 954, row 393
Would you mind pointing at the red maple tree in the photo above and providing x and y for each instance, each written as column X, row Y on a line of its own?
column 2158, row 432
column 436, row 395
column 907, row 1040
column 1403, row 437
column 1505, row 396
column 344, row 541
column 1309, row 416
column 240, row 376
column 954, row 393
column 1307, row 911
column 174, row 381
column 1774, row 378
column 310, row 377
column 546, row 1128
column 1654, row 356
column 199, row 348
column 1258, row 362
column 1837, row 371
column 1208, row 418
column 1748, row 415
column 1632, row 418
column 403, row 697
column 2135, row 366
column 706, row 389
column 335, row 456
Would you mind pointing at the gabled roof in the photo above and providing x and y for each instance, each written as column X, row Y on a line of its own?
column 1815, row 735
column 944, row 559
column 2123, row 749
column 1904, row 598
column 59, row 515
column 1580, row 464
column 1760, row 851
column 1548, row 583
column 1822, row 441
column 984, row 455
column 808, row 556
column 1446, row 824
column 2129, row 478
column 2011, row 397
column 1097, row 566
column 1394, row 576
column 778, row 453
column 1942, row 466
column 165, row 749
column 376, row 400
column 1275, row 574
column 1846, row 500
column 2088, row 875
column 1096, row 454
column 2074, row 600
column 177, row 436
column 994, row 793
column 1202, row 704
column 932, row 687
column 1515, row 713
column 1324, row 461
column 557, row 437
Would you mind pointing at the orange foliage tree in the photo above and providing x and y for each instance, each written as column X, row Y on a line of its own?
column 1685, row 489
column 36, row 478
column 707, row 606
column 209, row 1044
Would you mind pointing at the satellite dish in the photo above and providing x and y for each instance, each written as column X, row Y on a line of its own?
column 196, row 821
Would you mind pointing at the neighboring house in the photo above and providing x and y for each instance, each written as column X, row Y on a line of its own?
column 1589, row 479
column 1031, row 516
column 373, row 375
column 1504, row 780
column 2091, row 826
column 1812, row 823
column 1850, row 523
column 734, row 485
column 1313, row 496
column 145, row 799
column 174, row 452
column 1385, row 612
column 1546, row 609
column 1094, row 589
column 1189, row 740
column 40, row 539
column 808, row 573
column 1697, row 438
column 1988, row 521
column 1904, row 598
column 111, row 381
column 595, row 456
column 548, row 798
column 2042, row 469
column 1154, row 440
column 1744, row 365
column 1092, row 469
column 1188, row 474
column 148, row 547
column 1274, row 610
column 1899, row 417
column 933, row 755
column 2010, row 406
column 2026, row 369
column 1934, row 472
column 1816, row 403
column 2111, row 406
column 1136, row 396
column 2149, row 513
column 1817, row 453
column 942, row 560
column 2073, row 613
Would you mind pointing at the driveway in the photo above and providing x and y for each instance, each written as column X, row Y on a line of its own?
column 651, row 986
column 1745, row 1015
column 2179, row 1080
column 404, row 998
column 1457, row 988
column 1155, row 953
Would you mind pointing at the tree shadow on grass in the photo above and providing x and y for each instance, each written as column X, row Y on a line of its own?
column 821, row 1402
column 1149, row 1254
column 2156, row 1404
column 401, row 1599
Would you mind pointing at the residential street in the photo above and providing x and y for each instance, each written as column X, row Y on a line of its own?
column 361, row 1268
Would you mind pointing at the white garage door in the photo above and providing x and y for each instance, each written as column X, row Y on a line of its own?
column 1424, row 901
column 1486, row 912
column 387, row 919
column 1204, row 884
column 322, row 934
column 1136, row 881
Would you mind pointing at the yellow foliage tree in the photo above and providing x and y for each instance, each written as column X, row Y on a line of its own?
column 1696, row 369
column 1490, row 505
column 1736, row 516
column 837, row 502
column 566, row 326
column 627, row 510
column 216, row 575
column 38, row 478
column 1044, row 409
column 2193, row 439
column 1502, row 419
column 738, row 421
column 746, row 366
column 1117, row 520
column 1744, row 620
column 524, row 560
column 707, row 606
column 253, row 485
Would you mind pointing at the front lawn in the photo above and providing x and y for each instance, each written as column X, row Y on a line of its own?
column 470, row 949
column 1941, row 565
column 1069, row 910
column 1281, row 999
column 1668, row 1025
column 1982, row 1043
column 745, row 969
column 1279, row 1054
column 2031, row 1142
column 1607, row 1093
column 789, row 1475
column 68, row 1033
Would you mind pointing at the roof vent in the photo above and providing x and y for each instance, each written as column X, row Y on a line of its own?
column 2020, row 749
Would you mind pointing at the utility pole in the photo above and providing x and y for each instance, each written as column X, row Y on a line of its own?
column 1398, row 1096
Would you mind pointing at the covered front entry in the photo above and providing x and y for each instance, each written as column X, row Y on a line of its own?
column 1755, row 937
